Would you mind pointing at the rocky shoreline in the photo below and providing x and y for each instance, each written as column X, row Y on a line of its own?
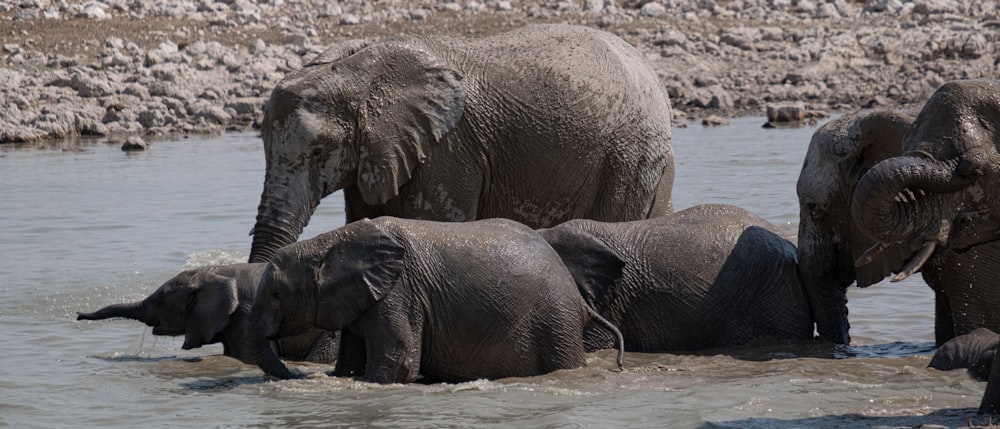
column 161, row 67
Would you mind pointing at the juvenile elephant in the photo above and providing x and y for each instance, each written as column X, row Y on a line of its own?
column 210, row 305
column 451, row 301
column 540, row 125
column 977, row 352
column 706, row 277
column 973, row 351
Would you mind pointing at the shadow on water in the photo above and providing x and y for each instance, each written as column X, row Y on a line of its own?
column 223, row 384
column 948, row 417
column 768, row 350
column 146, row 359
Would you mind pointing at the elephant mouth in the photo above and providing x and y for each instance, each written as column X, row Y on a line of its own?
column 163, row 331
column 916, row 206
column 958, row 234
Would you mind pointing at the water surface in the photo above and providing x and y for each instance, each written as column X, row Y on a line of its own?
column 85, row 225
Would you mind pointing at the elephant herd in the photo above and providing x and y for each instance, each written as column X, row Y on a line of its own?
column 508, row 204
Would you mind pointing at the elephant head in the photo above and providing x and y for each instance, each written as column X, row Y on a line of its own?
column 829, row 243
column 942, row 192
column 361, row 117
column 195, row 303
column 343, row 272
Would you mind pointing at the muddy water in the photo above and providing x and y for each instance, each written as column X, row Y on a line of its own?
column 83, row 224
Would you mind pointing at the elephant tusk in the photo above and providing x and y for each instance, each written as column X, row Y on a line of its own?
column 918, row 261
column 870, row 254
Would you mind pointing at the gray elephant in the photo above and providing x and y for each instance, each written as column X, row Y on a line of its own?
column 210, row 305
column 540, row 125
column 829, row 242
column 706, row 277
column 973, row 351
column 450, row 301
column 977, row 352
column 936, row 207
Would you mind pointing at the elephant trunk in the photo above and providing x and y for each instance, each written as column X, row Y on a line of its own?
column 260, row 347
column 277, row 227
column 826, row 273
column 266, row 358
column 905, row 198
column 132, row 310
column 829, row 311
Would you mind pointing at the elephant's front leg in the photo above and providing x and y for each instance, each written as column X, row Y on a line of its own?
column 944, row 324
column 393, row 351
column 351, row 359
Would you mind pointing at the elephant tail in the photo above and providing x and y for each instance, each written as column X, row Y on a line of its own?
column 595, row 316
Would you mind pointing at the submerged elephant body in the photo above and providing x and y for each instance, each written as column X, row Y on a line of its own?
column 210, row 305
column 705, row 277
column 541, row 125
column 450, row 301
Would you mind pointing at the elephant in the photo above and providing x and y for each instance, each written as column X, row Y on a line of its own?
column 829, row 242
column 210, row 305
column 839, row 209
column 935, row 208
column 977, row 352
column 540, row 125
column 972, row 351
column 451, row 302
column 706, row 277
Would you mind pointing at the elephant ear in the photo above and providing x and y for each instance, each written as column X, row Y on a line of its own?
column 413, row 100
column 363, row 265
column 878, row 135
column 595, row 267
column 213, row 302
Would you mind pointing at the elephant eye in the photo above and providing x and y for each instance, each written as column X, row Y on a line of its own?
column 317, row 150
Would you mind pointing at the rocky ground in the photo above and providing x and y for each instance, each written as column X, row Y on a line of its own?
column 164, row 67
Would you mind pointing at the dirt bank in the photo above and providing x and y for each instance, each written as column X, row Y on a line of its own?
column 156, row 67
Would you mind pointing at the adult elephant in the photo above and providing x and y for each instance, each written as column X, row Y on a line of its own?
column 452, row 301
column 936, row 207
column 829, row 242
column 706, row 277
column 540, row 125
column 210, row 305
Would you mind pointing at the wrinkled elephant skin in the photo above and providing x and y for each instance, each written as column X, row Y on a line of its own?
column 541, row 125
column 706, row 277
column 210, row 305
column 450, row 301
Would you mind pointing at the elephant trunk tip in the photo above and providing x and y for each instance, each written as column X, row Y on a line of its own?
column 85, row 316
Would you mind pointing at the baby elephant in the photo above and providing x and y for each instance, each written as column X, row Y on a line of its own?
column 450, row 301
column 973, row 351
column 706, row 277
column 976, row 352
column 210, row 305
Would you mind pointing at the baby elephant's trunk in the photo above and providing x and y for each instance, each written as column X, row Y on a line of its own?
column 131, row 310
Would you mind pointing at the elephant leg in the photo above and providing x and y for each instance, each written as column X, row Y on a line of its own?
column 394, row 357
column 991, row 398
column 944, row 324
column 325, row 349
column 298, row 347
column 351, row 357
